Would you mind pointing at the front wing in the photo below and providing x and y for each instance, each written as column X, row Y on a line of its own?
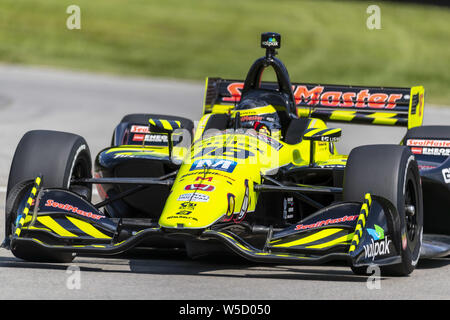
column 58, row 220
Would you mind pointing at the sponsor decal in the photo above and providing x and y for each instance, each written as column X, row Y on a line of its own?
column 203, row 178
column 426, row 167
column 446, row 174
column 316, row 95
column 428, row 143
column 193, row 197
column 152, row 138
column 429, row 147
column 70, row 208
column 199, row 186
column 234, row 89
column 288, row 208
column 360, row 99
column 214, row 164
column 138, row 137
column 436, row 151
column 379, row 243
column 139, row 129
column 251, row 118
column 187, row 206
column 325, row 222
column 182, row 217
column 376, row 233
column 123, row 155
column 271, row 42
column 329, row 139
column 156, row 138
column 213, row 173
column 184, row 212
column 332, row 166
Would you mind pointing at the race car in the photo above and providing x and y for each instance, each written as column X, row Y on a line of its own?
column 259, row 177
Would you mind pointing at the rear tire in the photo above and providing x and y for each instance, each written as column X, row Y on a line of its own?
column 59, row 157
column 391, row 172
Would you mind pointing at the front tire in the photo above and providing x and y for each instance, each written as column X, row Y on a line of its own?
column 391, row 172
column 60, row 157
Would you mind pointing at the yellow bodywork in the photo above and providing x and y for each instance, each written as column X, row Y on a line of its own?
column 216, row 178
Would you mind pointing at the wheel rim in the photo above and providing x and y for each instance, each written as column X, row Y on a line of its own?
column 79, row 171
column 411, row 210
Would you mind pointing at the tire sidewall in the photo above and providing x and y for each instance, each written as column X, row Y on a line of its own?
column 410, row 249
column 79, row 155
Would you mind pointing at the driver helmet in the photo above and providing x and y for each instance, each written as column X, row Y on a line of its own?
column 260, row 116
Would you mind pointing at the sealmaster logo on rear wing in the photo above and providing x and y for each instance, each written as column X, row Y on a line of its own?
column 332, row 103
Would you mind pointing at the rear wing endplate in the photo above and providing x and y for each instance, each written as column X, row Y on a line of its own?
column 332, row 103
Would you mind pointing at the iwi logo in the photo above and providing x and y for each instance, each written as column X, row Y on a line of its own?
column 379, row 243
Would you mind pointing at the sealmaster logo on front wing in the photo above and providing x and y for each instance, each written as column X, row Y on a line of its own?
column 70, row 208
column 325, row 222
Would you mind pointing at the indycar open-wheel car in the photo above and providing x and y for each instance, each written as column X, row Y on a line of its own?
column 260, row 177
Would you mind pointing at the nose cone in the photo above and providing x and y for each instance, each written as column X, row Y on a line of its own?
column 196, row 201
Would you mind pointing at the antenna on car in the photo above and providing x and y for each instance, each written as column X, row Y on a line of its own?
column 270, row 41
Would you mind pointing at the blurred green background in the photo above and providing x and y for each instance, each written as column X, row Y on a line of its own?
column 322, row 41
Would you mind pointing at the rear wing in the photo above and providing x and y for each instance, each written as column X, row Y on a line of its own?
column 332, row 103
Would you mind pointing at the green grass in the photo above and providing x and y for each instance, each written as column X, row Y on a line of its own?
column 323, row 41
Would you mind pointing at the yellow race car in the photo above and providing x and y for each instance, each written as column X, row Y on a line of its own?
column 259, row 176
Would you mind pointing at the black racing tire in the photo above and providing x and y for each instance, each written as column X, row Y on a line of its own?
column 391, row 172
column 59, row 157
column 142, row 119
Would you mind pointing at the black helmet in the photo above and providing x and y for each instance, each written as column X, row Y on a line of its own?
column 259, row 115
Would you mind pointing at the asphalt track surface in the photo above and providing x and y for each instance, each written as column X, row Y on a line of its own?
column 91, row 105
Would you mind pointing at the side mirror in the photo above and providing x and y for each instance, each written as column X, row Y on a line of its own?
column 167, row 126
column 326, row 135
column 319, row 134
